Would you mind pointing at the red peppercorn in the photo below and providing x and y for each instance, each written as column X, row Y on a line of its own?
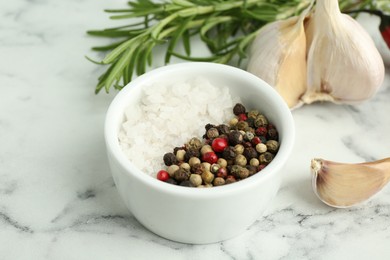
column 222, row 172
column 210, row 157
column 256, row 140
column 242, row 117
column 260, row 167
column 219, row 144
column 261, row 131
column 162, row 175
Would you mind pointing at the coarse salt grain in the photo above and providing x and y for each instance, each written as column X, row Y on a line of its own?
column 168, row 116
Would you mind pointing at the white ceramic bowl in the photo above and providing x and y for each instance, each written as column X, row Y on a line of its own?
column 193, row 215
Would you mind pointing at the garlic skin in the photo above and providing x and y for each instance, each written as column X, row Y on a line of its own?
column 343, row 63
column 278, row 56
column 343, row 185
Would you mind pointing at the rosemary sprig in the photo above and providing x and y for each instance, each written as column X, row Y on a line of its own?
column 226, row 27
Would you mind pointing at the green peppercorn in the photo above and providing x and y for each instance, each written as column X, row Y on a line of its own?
column 239, row 109
column 234, row 170
column 243, row 173
column 194, row 143
column 266, row 158
column 251, row 122
column 248, row 136
column 169, row 159
column 214, row 167
column 207, row 177
column 229, row 153
column 195, row 179
column 219, row 181
column 235, row 137
column 212, row 133
column 241, row 125
column 181, row 175
column 253, row 114
column 250, row 153
column 272, row 146
column 240, row 160
column 261, row 120
column 233, row 122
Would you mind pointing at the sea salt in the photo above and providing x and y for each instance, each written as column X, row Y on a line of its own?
column 168, row 116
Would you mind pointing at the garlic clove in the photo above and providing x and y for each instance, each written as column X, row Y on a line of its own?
column 278, row 56
column 344, row 185
column 343, row 63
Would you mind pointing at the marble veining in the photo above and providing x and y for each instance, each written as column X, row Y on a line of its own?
column 58, row 199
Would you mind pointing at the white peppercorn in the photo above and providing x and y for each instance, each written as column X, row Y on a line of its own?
column 261, row 148
column 171, row 169
column 254, row 162
column 193, row 160
column 205, row 149
column 180, row 155
column 196, row 180
column 222, row 162
column 240, row 160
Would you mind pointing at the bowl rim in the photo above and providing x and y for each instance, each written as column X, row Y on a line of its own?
column 112, row 143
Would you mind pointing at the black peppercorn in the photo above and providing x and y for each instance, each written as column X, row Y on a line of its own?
column 229, row 153
column 194, row 143
column 171, row 181
column 250, row 153
column 239, row 109
column 197, row 168
column 208, row 126
column 261, row 120
column 252, row 169
column 177, row 149
column 169, row 159
column 235, row 137
column 241, row 125
column 223, row 129
column 251, row 122
column 191, row 152
column 181, row 175
column 186, row 183
column 272, row 134
column 247, row 144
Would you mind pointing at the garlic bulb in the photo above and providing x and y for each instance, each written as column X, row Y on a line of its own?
column 342, row 60
column 321, row 56
column 343, row 185
column 278, row 56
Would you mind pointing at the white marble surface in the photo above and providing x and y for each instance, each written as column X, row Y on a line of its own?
column 58, row 199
